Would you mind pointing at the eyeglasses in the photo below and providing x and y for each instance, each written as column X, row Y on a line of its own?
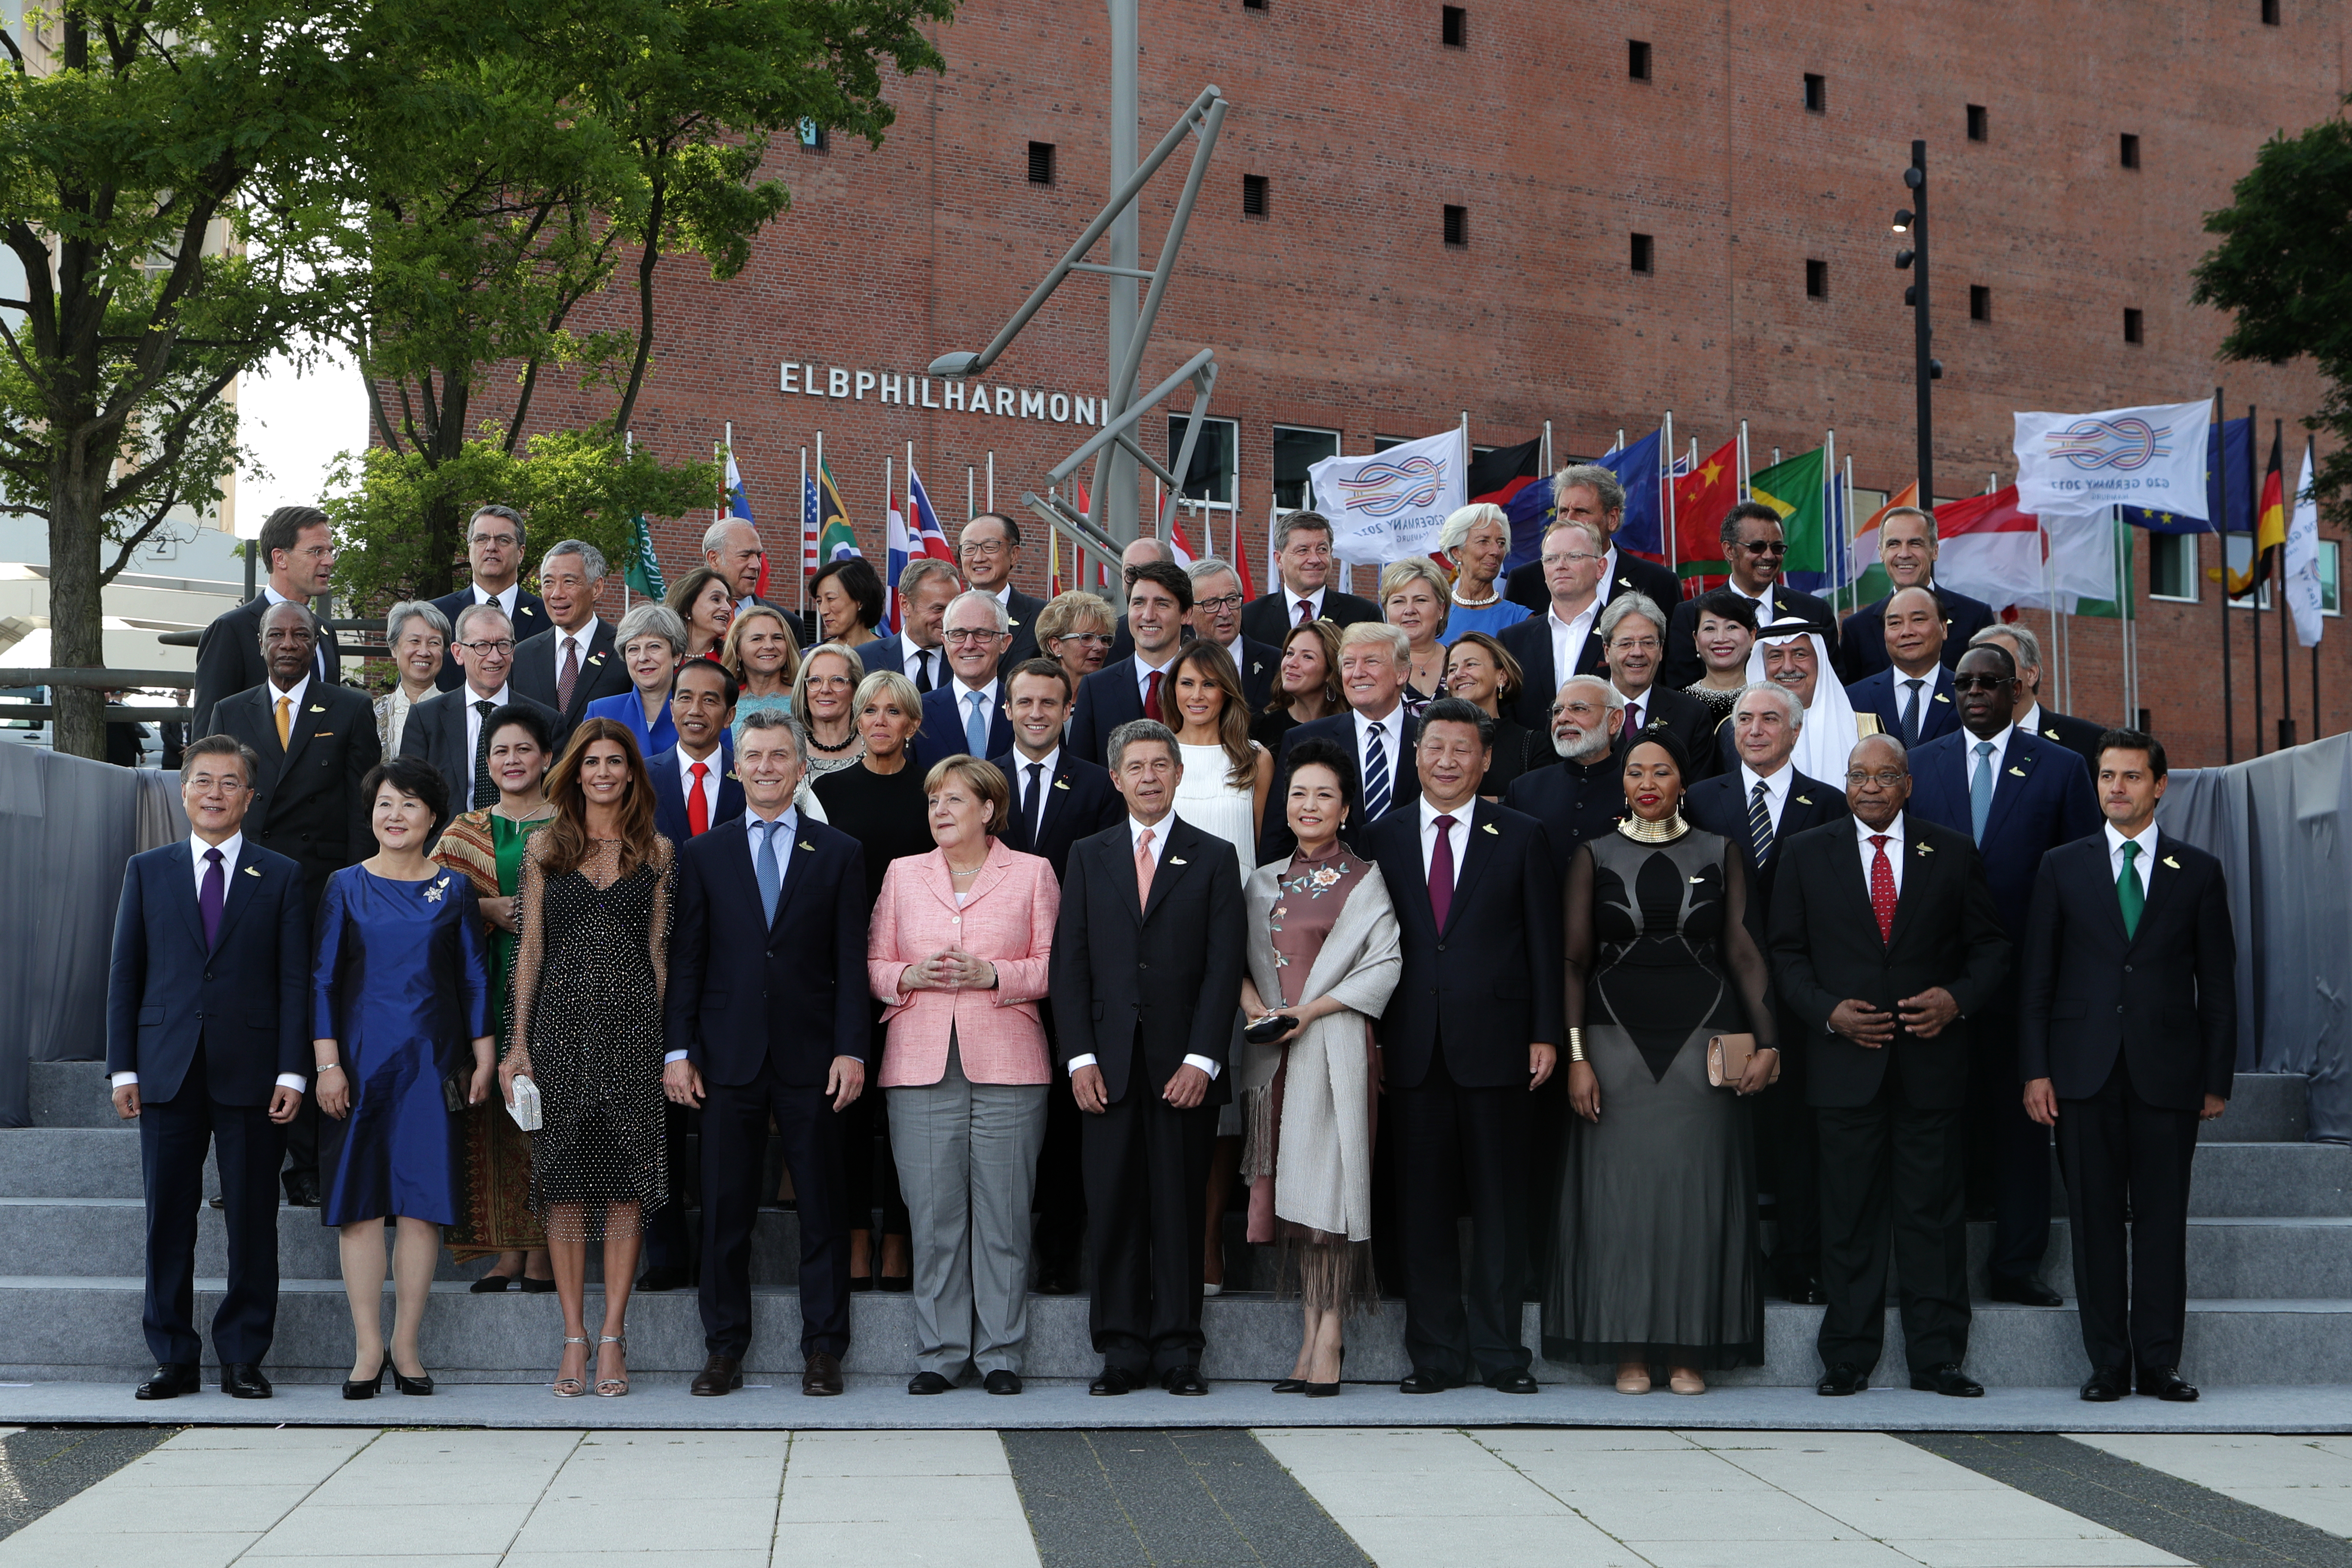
column 485, row 649
column 505, row 541
column 1982, row 682
column 1091, row 639
column 1578, row 709
column 985, row 547
column 966, row 635
column 1765, row 546
column 205, row 784
column 1888, row 778
column 1222, row 602
column 1572, row 558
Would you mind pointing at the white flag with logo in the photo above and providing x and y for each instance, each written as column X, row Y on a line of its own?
column 2079, row 463
column 2303, row 597
column 1392, row 504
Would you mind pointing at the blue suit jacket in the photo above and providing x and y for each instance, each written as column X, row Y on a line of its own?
column 625, row 710
column 669, row 792
column 246, row 1001
column 744, row 992
column 942, row 735
column 2042, row 799
column 1107, row 698
column 1080, row 802
column 1882, row 694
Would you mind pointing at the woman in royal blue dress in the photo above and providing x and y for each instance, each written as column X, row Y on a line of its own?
column 401, row 1007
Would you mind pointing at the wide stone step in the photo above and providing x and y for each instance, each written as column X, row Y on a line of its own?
column 53, row 1329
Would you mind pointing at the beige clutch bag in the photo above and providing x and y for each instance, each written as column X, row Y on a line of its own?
column 1727, row 1059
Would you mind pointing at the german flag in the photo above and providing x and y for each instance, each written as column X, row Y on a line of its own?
column 2270, row 527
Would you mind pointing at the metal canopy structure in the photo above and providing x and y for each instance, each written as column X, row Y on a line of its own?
column 1111, row 522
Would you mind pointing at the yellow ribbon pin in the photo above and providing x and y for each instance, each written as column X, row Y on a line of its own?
column 807, row 846
column 1061, row 783
column 253, row 870
column 1178, row 861
column 1804, row 800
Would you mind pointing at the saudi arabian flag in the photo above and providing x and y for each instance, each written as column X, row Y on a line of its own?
column 642, row 573
column 1794, row 489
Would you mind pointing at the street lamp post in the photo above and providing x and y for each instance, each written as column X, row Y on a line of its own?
column 1912, row 221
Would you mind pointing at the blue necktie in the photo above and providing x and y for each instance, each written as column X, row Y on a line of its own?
column 1981, row 790
column 1376, row 774
column 975, row 727
column 1911, row 714
column 771, row 879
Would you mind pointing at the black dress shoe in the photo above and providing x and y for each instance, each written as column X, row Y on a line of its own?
column 172, row 1379
column 663, row 1277
column 1114, row 1381
column 2166, row 1382
column 302, row 1189
column 218, row 1199
column 1057, row 1281
column 820, row 1374
column 531, row 1287
column 2106, row 1386
column 1517, row 1381
column 1185, row 1380
column 243, row 1380
column 1419, row 1381
column 2026, row 1292
column 719, row 1375
column 1947, row 1378
column 929, row 1383
column 1004, row 1380
column 1843, row 1378
column 1804, row 1292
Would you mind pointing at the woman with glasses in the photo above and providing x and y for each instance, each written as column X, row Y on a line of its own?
column 823, row 699
column 1075, row 630
column 652, row 643
column 1478, row 539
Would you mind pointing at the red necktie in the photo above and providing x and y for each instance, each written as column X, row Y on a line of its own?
column 568, row 676
column 1306, row 612
column 1151, row 697
column 1440, row 872
column 1882, row 888
column 697, row 809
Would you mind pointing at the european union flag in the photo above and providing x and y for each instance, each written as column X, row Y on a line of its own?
column 1530, row 514
column 2236, row 480
column 1642, row 528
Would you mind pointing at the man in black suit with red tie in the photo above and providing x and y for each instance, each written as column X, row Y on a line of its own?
column 1887, row 943
column 1147, row 974
column 1302, row 559
column 2127, row 1037
column 766, row 1018
column 1473, row 1028
column 207, row 1042
column 1158, row 600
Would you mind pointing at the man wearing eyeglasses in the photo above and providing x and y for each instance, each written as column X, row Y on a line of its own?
column 296, row 548
column 967, row 714
column 1583, row 796
column 1217, row 617
column 495, row 539
column 1589, row 491
column 1565, row 639
column 1754, row 548
column 447, row 731
column 989, row 548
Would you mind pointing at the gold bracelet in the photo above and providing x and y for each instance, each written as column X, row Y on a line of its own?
column 1575, row 1045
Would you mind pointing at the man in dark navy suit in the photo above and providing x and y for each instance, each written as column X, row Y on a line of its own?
column 495, row 542
column 2079, row 736
column 925, row 585
column 695, row 787
column 296, row 547
column 1473, row 1028
column 965, row 715
column 573, row 662
column 1591, row 492
column 766, row 1017
column 1302, row 559
column 1907, row 549
column 1375, row 661
column 1564, row 638
column 1159, row 598
column 1913, row 696
column 988, row 550
column 1633, row 631
column 207, row 1041
column 1758, row 806
column 2018, row 796
column 2127, row 1038
column 1216, row 616
column 449, row 729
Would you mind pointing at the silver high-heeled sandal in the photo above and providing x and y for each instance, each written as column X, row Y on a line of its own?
column 613, row 1387
column 570, row 1387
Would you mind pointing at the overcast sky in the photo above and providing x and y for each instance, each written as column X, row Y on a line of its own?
column 296, row 424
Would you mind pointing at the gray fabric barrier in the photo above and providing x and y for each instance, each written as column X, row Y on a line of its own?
column 2277, row 824
column 67, row 827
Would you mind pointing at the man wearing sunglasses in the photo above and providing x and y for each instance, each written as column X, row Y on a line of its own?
column 1753, row 546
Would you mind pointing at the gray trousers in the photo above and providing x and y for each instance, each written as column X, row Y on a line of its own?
column 967, row 1158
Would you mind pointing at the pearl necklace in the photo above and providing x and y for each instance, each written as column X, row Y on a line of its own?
column 1494, row 598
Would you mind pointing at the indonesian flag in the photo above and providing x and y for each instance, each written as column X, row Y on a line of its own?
column 1989, row 549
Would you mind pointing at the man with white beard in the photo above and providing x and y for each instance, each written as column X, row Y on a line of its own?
column 1582, row 796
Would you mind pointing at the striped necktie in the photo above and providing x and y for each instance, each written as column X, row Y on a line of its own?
column 1376, row 774
column 1759, row 825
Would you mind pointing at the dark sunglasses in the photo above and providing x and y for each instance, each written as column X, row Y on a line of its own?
column 1982, row 682
column 1766, row 546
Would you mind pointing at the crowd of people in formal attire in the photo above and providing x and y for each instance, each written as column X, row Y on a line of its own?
column 1693, row 950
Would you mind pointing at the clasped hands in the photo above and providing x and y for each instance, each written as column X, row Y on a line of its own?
column 1924, row 1015
column 950, row 969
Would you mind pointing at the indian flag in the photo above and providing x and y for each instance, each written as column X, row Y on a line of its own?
column 1871, row 582
column 1795, row 490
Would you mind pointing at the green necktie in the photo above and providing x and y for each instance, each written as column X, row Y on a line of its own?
column 2128, row 891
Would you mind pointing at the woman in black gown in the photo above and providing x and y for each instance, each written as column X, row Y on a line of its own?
column 1658, row 1257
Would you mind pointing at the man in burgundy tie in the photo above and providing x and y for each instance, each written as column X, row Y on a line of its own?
column 573, row 662
column 1887, row 943
column 207, row 1044
column 1633, row 631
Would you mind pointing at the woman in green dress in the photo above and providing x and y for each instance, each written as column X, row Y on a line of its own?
column 494, row 1217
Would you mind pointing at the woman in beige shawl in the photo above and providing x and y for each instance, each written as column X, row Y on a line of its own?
column 1323, row 952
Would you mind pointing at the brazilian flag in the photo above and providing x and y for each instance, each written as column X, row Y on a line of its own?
column 1797, row 490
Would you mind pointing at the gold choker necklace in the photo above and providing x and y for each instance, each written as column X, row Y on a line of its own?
column 1644, row 832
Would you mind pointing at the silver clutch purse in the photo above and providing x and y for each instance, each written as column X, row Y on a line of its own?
column 524, row 1106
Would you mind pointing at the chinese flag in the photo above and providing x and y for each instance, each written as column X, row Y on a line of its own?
column 1703, row 498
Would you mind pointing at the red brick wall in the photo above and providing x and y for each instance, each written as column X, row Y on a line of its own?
column 1344, row 309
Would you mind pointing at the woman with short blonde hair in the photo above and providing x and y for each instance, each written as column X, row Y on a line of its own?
column 1414, row 599
column 1478, row 539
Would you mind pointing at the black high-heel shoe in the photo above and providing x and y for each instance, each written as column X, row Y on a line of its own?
column 408, row 1385
column 1300, row 1385
column 370, row 1388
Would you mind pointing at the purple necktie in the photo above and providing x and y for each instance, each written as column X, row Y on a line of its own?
column 1441, row 873
column 209, row 901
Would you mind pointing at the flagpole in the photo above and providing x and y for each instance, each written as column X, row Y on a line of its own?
column 969, row 506
column 802, row 499
column 1743, row 459
column 2318, row 715
column 2217, row 513
column 2278, row 595
column 1667, row 466
column 1829, row 477
column 2254, row 590
column 1547, row 447
column 992, row 478
column 890, row 484
column 628, row 450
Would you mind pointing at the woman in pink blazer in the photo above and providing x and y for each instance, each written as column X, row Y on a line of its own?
column 958, row 951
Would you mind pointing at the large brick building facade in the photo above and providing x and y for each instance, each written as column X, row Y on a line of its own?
column 2073, row 150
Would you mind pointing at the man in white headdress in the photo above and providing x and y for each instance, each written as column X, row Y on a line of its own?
column 1792, row 653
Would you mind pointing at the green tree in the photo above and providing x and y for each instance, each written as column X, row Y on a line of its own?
column 2283, row 271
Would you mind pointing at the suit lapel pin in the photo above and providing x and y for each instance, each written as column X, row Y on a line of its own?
column 1696, row 880
column 256, row 870
column 1926, row 848
column 2171, row 862
column 433, row 894
column 596, row 658
column 2050, row 734
column 1061, row 783
column 315, row 707
column 2017, row 772
column 1942, row 698
column 807, row 846
column 1176, row 860
column 1804, row 800
column 1489, row 827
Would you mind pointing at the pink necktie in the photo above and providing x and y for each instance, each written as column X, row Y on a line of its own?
column 1143, row 869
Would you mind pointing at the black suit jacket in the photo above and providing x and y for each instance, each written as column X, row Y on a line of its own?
column 2165, row 998
column 669, row 793
column 601, row 674
column 744, row 993
column 1165, row 977
column 1267, row 618
column 1720, row 806
column 2079, row 736
column 1274, row 839
column 1574, row 801
column 435, row 731
column 1107, row 698
column 1488, row 985
column 1882, row 694
column 1529, row 642
column 530, row 620
column 1079, row 804
column 228, row 660
column 1683, row 662
column 1260, row 664
column 245, row 1000
column 1826, row 949
column 1024, row 609
column 1525, row 585
column 308, row 805
column 1688, row 720
column 1862, row 638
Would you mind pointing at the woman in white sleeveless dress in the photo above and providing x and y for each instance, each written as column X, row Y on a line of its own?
column 1223, row 791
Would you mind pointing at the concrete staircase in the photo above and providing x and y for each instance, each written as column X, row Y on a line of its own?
column 2270, row 1269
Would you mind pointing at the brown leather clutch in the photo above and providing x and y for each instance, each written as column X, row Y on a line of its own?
column 1727, row 1059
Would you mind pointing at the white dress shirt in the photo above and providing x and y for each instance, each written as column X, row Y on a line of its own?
column 474, row 717
column 505, row 598
column 1775, row 791
column 1159, row 831
column 788, row 822
column 1046, row 766
column 228, row 849
column 1568, row 638
column 1290, row 603
column 293, row 695
column 1893, row 831
column 1969, row 744
column 918, row 663
column 713, row 766
column 1143, row 674
column 2143, row 868
column 989, row 696
column 1391, row 729
column 1458, row 835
